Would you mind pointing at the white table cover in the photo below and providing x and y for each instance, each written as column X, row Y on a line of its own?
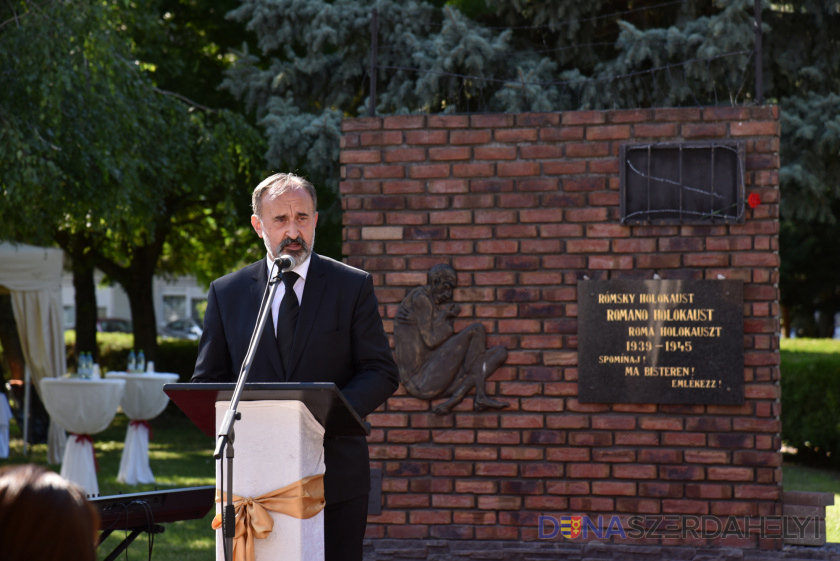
column 142, row 400
column 276, row 444
column 81, row 407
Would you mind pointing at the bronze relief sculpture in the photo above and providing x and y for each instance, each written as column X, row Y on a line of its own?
column 433, row 360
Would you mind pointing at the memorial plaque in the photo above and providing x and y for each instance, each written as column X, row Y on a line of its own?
column 661, row 341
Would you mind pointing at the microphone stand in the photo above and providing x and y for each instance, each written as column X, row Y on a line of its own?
column 224, row 442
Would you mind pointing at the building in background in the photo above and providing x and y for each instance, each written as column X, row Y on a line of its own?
column 174, row 299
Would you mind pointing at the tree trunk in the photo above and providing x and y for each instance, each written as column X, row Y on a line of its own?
column 785, row 321
column 86, row 313
column 141, row 301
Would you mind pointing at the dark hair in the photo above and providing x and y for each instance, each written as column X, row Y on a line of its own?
column 278, row 184
column 45, row 517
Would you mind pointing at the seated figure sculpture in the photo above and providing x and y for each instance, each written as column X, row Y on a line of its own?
column 433, row 360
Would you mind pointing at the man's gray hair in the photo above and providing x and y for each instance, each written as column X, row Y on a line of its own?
column 277, row 185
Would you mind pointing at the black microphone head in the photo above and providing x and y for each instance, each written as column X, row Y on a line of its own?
column 285, row 262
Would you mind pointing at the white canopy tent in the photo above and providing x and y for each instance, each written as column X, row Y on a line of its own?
column 33, row 277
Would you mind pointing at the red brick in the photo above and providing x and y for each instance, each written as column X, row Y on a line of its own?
column 659, row 130
column 635, row 471
column 706, row 260
column 588, row 471
column 681, row 472
column 405, row 500
column 708, row 491
column 683, row 439
column 454, row 153
column 448, row 186
column 677, row 114
column 677, row 506
column 537, row 184
column 402, row 187
column 637, row 506
column 360, row 157
column 469, row 137
column 404, row 122
column 588, row 183
column 515, row 135
column 611, row 262
column 730, row 474
column 473, row 170
column 540, row 151
column 754, row 128
column 583, row 117
column 588, row 150
column 461, row 517
column 388, row 452
column 541, row 216
column 428, row 171
column 426, row 137
column 704, row 130
column 561, row 134
column 430, row 517
column 384, row 172
column 492, row 120
column 404, row 155
column 609, row 132
column 658, row 261
column 614, row 488
column 565, row 167
column 537, row 119
column 755, row 259
column 453, row 501
column 380, row 138
column 496, row 469
column 510, row 169
column 585, row 214
column 407, row 532
column 495, row 153
column 630, row 116
column 631, row 245
column 361, row 124
column 448, row 121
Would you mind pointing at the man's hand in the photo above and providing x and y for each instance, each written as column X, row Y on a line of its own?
column 453, row 309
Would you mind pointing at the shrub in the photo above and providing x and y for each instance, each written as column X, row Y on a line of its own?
column 810, row 383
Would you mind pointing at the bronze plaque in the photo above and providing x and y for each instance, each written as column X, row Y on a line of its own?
column 661, row 341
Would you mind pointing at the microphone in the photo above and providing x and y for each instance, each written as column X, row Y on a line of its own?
column 285, row 262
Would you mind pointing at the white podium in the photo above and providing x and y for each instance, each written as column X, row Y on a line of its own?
column 278, row 442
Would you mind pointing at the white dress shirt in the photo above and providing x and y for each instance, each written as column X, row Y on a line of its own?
column 301, row 270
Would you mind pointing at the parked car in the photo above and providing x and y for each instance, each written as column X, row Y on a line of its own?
column 182, row 329
column 113, row 325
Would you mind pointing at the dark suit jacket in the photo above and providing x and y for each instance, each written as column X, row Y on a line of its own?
column 339, row 338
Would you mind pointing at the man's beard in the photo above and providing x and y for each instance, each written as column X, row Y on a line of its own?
column 300, row 255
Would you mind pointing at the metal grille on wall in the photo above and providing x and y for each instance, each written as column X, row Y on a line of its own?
column 696, row 182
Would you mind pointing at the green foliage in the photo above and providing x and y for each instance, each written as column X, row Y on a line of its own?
column 98, row 158
column 811, row 398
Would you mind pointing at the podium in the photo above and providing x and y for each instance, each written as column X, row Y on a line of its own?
column 278, row 442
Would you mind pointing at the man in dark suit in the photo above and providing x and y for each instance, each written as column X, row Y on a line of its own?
column 338, row 337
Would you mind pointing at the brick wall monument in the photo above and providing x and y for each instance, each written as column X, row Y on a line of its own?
column 523, row 207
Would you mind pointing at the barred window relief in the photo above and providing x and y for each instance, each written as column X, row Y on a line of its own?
column 682, row 183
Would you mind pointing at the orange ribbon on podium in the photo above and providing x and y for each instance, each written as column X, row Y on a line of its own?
column 302, row 499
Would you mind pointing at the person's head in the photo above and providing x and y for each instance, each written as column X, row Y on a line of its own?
column 442, row 281
column 43, row 516
column 285, row 215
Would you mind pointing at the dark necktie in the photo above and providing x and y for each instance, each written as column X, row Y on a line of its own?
column 287, row 319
